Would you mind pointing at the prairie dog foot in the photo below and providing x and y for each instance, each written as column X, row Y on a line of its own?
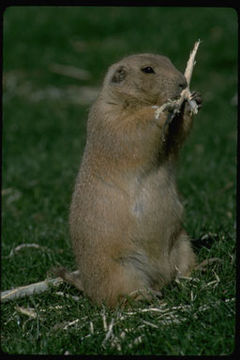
column 144, row 294
column 70, row 277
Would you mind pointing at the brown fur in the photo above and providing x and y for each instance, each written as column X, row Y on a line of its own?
column 126, row 216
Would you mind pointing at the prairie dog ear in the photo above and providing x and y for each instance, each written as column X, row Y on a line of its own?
column 119, row 74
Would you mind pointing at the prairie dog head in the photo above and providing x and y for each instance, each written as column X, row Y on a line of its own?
column 143, row 79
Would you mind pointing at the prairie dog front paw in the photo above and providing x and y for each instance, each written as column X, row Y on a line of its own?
column 167, row 107
column 194, row 103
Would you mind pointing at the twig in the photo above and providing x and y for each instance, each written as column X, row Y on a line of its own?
column 185, row 94
column 191, row 62
column 35, row 288
column 28, row 290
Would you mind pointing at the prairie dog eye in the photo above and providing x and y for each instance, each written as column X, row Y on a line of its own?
column 148, row 70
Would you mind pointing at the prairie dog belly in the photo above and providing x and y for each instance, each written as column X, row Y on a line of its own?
column 157, row 212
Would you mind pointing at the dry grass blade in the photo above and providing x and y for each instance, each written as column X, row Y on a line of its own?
column 136, row 341
column 91, row 327
column 7, row 191
column 73, row 297
column 109, row 333
column 104, row 322
column 71, row 323
column 22, row 246
column 28, row 312
column 150, row 324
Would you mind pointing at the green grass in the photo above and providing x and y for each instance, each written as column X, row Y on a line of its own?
column 43, row 141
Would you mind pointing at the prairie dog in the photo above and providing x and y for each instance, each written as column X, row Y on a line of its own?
column 126, row 215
